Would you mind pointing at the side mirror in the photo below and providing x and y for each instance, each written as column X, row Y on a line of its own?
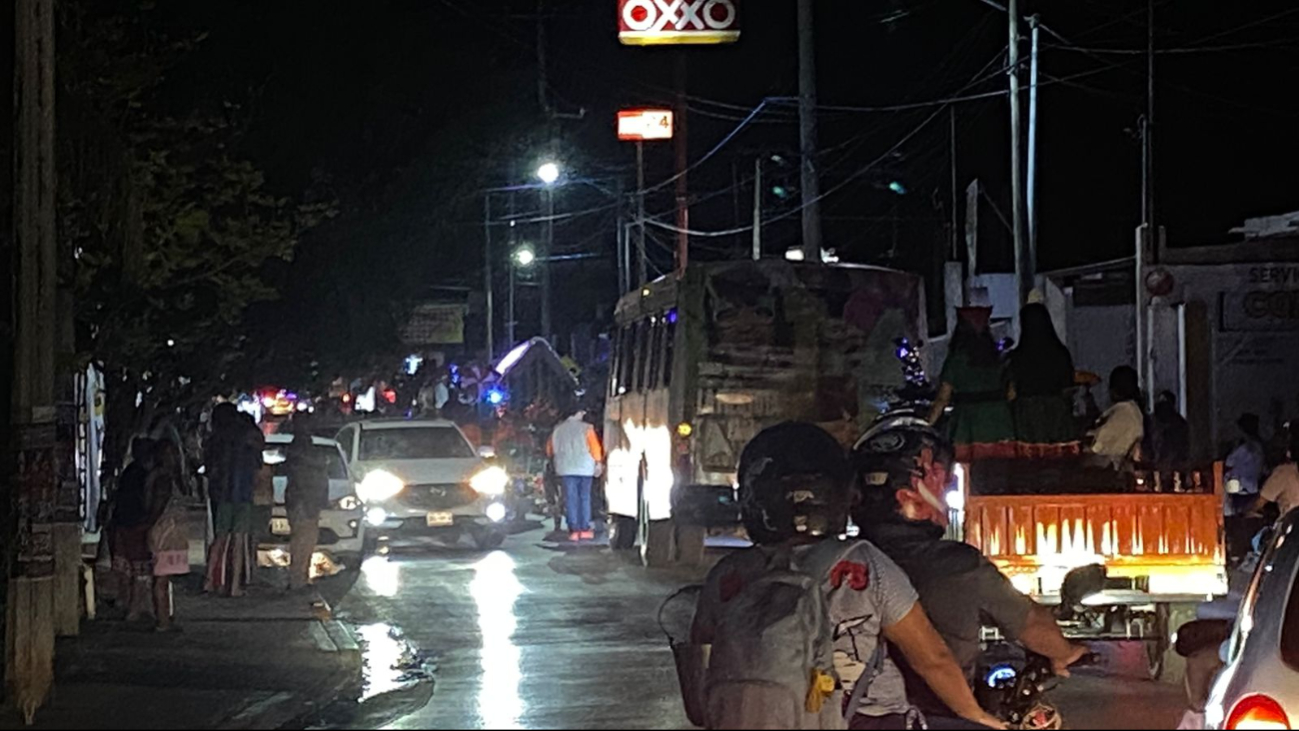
column 487, row 451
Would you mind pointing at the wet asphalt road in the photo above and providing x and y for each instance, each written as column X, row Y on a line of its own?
column 535, row 636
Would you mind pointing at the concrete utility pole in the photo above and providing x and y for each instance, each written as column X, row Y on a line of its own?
column 29, row 641
column 1149, row 137
column 642, row 262
column 757, row 208
column 681, row 139
column 1032, row 145
column 548, row 241
column 487, row 277
column 1023, row 258
column 807, row 103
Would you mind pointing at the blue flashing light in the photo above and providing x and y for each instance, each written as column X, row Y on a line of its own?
column 495, row 396
column 672, row 316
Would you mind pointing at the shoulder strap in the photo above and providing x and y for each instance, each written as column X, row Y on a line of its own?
column 868, row 676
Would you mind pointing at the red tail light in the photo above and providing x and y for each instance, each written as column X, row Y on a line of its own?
column 1258, row 712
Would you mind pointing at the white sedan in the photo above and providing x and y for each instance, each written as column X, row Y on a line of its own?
column 1259, row 688
column 422, row 476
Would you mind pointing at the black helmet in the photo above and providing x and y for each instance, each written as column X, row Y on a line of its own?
column 887, row 457
column 795, row 480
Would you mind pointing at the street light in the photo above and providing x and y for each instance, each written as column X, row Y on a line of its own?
column 548, row 173
column 522, row 258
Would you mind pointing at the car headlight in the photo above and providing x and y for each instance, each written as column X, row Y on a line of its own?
column 349, row 503
column 379, row 485
column 490, row 481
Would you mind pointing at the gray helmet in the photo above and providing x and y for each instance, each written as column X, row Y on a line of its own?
column 795, row 480
column 886, row 458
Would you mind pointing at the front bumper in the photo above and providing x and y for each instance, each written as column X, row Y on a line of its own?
column 342, row 532
column 427, row 508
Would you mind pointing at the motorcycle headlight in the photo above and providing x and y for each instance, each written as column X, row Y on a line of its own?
column 349, row 503
column 378, row 486
column 490, row 481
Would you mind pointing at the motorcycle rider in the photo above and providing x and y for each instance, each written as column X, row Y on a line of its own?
column 904, row 469
column 795, row 487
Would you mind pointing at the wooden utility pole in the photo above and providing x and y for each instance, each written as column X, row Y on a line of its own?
column 29, row 636
column 807, row 103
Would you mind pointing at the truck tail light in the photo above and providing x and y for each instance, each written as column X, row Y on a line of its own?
column 1258, row 712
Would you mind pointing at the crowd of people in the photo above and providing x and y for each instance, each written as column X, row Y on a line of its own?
column 151, row 519
column 1032, row 394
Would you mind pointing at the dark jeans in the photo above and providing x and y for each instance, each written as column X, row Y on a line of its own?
column 577, row 501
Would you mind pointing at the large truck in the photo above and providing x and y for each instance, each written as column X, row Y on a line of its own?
column 1158, row 535
column 704, row 362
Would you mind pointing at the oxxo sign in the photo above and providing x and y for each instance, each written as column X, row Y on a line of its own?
column 678, row 22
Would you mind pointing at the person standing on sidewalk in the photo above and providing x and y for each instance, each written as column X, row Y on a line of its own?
column 168, row 542
column 235, row 458
column 306, row 495
column 578, row 459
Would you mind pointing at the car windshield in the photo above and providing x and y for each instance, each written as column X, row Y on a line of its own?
column 274, row 455
column 435, row 442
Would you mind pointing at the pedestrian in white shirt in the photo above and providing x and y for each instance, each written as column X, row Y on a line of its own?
column 1246, row 466
column 1115, row 438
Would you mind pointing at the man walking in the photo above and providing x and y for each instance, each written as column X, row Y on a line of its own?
column 578, row 458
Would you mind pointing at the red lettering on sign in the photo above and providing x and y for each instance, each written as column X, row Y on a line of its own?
column 858, row 575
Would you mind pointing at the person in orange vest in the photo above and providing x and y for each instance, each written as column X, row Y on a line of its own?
column 578, row 458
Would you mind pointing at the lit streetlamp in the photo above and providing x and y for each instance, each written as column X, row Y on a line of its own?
column 522, row 258
column 549, row 174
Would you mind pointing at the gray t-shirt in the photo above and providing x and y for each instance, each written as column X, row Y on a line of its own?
column 865, row 592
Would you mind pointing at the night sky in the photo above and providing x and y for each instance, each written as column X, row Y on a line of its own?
column 406, row 109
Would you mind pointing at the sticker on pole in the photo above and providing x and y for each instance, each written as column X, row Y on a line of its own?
column 678, row 22
column 640, row 125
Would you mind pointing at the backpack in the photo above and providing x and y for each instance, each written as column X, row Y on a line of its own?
column 772, row 659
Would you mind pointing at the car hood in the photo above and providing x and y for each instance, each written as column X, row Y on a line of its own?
column 424, row 471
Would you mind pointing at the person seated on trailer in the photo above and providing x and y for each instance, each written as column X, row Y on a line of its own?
column 1116, row 438
column 973, row 384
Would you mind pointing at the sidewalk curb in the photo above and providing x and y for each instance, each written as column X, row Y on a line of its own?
column 282, row 709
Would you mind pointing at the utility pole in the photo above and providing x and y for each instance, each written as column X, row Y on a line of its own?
column 487, row 276
column 955, row 225
column 757, row 208
column 681, row 139
column 543, row 97
column 1023, row 260
column 807, row 103
column 642, row 264
column 30, row 603
column 1032, row 146
column 1149, row 143
column 543, row 258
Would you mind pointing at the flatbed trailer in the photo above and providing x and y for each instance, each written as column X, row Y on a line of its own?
column 1159, row 535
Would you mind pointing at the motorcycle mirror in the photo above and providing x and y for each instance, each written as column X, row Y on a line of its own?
column 1081, row 583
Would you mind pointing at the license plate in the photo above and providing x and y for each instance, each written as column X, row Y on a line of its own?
column 440, row 520
column 280, row 526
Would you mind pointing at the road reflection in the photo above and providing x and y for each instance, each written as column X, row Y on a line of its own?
column 495, row 590
column 383, row 577
column 382, row 660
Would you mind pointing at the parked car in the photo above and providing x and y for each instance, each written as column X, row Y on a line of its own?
column 342, row 525
column 422, row 476
column 1259, row 687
